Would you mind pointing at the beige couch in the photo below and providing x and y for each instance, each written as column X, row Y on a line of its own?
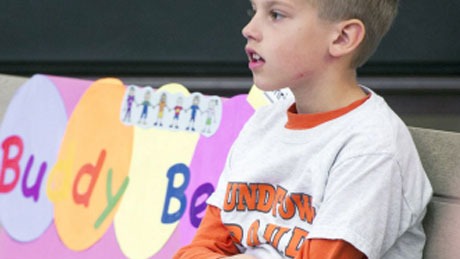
column 440, row 154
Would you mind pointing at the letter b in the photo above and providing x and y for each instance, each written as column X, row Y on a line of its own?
column 10, row 163
column 175, row 192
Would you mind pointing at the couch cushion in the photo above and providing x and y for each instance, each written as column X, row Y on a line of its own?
column 440, row 154
column 8, row 86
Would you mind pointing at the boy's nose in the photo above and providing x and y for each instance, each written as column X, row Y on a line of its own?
column 250, row 31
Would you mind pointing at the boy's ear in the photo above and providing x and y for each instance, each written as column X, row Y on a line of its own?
column 349, row 35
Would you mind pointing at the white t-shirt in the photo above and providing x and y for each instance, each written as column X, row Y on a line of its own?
column 356, row 178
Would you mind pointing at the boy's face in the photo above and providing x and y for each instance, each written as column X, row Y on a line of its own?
column 287, row 44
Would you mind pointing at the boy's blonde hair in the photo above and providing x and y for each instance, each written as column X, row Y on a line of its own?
column 376, row 15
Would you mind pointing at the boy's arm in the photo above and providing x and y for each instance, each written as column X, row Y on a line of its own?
column 328, row 249
column 212, row 239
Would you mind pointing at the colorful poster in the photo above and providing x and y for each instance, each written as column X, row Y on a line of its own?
column 116, row 172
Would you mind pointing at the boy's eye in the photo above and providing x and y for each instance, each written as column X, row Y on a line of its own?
column 275, row 15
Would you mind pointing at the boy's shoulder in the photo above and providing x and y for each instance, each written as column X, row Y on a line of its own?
column 375, row 127
column 373, row 124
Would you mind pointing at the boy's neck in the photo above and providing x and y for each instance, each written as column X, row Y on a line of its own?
column 328, row 94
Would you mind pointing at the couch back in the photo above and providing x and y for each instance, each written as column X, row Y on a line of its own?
column 440, row 154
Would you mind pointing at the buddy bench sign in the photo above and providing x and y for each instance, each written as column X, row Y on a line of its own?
column 103, row 170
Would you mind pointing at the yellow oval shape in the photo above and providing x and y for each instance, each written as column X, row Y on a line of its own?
column 138, row 227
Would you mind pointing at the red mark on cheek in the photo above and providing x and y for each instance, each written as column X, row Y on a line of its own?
column 300, row 75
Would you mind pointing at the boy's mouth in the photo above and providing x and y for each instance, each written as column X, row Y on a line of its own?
column 255, row 57
column 255, row 60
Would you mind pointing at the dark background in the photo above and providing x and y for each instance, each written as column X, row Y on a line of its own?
column 197, row 38
column 199, row 44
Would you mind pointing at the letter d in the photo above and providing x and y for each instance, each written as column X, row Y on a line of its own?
column 92, row 172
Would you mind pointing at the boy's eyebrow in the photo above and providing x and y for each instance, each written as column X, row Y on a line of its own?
column 270, row 3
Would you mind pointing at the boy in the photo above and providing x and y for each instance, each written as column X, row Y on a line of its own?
column 333, row 175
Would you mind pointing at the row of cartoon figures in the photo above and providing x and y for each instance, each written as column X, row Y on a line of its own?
column 148, row 108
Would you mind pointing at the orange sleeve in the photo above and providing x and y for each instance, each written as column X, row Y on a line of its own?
column 328, row 249
column 212, row 239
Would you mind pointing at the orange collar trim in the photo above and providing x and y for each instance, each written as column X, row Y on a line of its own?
column 307, row 121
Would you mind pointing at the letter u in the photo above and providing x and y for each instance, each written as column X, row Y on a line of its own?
column 230, row 197
column 34, row 190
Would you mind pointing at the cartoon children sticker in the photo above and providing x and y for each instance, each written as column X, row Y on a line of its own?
column 169, row 117
column 162, row 104
column 195, row 107
column 129, row 104
column 210, row 115
column 145, row 108
column 177, row 110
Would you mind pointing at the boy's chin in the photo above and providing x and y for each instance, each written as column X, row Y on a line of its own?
column 267, row 87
